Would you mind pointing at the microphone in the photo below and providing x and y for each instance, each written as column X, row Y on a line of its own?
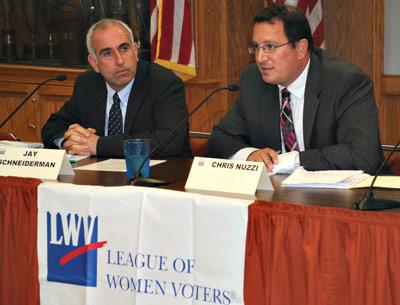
column 138, row 180
column 369, row 201
column 59, row 78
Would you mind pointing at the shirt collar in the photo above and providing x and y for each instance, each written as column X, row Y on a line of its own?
column 123, row 94
column 298, row 87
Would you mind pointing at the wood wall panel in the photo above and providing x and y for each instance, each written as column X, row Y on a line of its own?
column 222, row 31
column 392, row 118
column 390, row 105
column 349, row 31
column 240, row 35
column 354, row 30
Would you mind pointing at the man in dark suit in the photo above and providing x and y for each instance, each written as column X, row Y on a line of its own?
column 326, row 118
column 149, row 100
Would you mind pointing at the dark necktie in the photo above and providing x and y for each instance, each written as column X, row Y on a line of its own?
column 286, row 122
column 115, row 117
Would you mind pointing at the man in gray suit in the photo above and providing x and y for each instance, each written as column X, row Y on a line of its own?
column 326, row 118
column 144, row 99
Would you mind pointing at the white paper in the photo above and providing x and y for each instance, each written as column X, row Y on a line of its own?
column 342, row 179
column 286, row 163
column 392, row 182
column 75, row 158
column 112, row 165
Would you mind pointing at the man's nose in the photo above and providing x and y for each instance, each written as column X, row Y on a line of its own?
column 119, row 58
column 262, row 56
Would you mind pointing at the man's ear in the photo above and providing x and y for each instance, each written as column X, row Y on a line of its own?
column 93, row 63
column 136, row 48
column 302, row 47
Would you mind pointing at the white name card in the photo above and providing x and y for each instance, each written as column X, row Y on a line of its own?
column 45, row 164
column 227, row 177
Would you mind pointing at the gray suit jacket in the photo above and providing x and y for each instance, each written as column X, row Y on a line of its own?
column 340, row 122
column 156, row 104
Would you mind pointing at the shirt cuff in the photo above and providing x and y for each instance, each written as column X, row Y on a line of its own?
column 59, row 142
column 243, row 153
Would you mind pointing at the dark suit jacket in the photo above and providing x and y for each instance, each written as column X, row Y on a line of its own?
column 340, row 123
column 156, row 104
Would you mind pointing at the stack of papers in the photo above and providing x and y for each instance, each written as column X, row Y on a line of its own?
column 340, row 179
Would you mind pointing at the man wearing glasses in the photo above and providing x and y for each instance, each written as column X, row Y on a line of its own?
column 298, row 105
column 120, row 98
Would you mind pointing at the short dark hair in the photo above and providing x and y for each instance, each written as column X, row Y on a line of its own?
column 295, row 22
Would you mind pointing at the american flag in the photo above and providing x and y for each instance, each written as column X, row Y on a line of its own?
column 171, row 36
column 313, row 11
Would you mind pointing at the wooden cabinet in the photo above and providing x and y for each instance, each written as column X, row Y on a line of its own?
column 16, row 82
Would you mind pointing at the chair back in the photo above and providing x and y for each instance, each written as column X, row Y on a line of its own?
column 198, row 143
column 394, row 161
column 7, row 136
column 394, row 164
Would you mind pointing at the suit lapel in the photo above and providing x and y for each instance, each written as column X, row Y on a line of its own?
column 269, row 111
column 311, row 98
column 98, row 107
column 136, row 97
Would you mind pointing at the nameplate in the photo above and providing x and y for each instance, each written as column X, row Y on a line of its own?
column 45, row 164
column 228, row 177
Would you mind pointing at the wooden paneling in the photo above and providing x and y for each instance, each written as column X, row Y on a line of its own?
column 354, row 30
column 392, row 118
column 349, row 31
column 390, row 105
column 391, row 85
column 16, row 82
column 222, row 30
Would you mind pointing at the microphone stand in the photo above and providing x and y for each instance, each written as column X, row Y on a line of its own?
column 369, row 201
column 59, row 78
column 138, row 180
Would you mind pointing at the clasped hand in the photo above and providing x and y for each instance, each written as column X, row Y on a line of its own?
column 80, row 141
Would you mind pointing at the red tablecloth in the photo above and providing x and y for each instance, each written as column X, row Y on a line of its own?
column 19, row 283
column 308, row 255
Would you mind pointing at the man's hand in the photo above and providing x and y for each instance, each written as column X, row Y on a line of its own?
column 266, row 155
column 80, row 141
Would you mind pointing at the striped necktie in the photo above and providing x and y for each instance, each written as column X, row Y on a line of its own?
column 286, row 122
column 115, row 117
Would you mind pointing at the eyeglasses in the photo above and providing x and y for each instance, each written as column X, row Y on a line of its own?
column 266, row 48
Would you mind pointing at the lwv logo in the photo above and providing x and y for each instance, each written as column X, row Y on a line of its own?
column 72, row 240
column 71, row 225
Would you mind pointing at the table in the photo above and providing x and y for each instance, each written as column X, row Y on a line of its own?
column 304, row 246
column 181, row 167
